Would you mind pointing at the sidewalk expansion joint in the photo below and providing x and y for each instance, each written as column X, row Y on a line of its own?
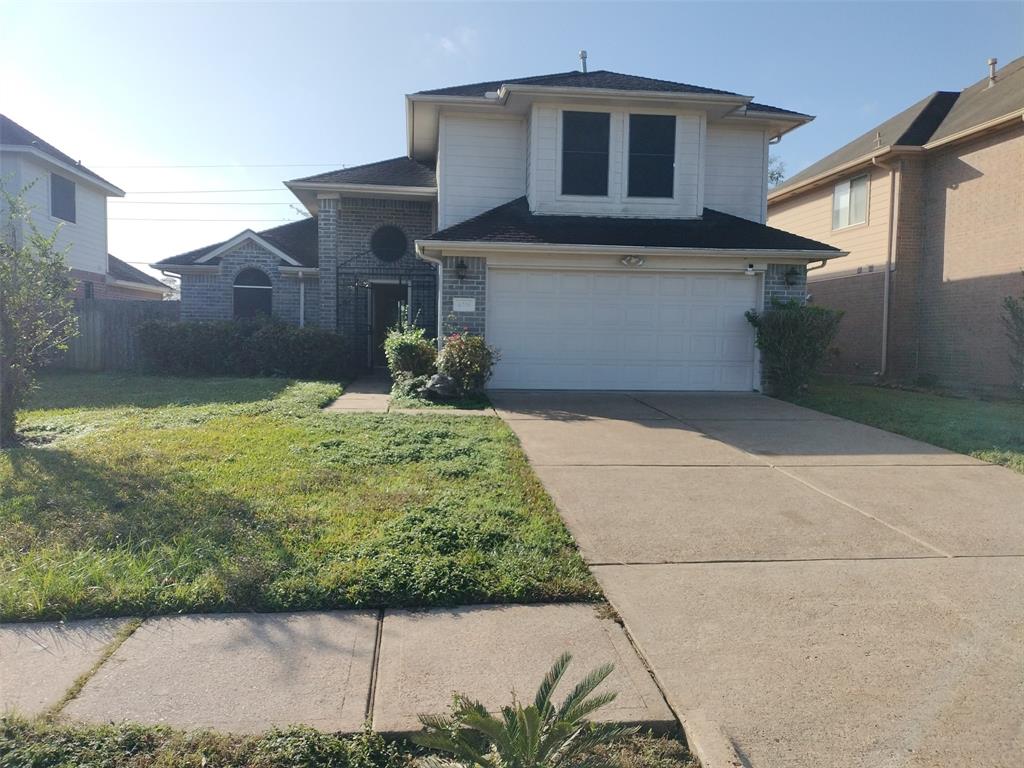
column 374, row 667
column 80, row 682
column 652, row 563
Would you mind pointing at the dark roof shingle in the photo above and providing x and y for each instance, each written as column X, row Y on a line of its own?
column 122, row 270
column 601, row 79
column 13, row 134
column 398, row 172
column 514, row 223
column 298, row 239
column 978, row 103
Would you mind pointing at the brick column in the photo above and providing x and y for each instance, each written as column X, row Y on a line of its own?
column 327, row 233
column 472, row 286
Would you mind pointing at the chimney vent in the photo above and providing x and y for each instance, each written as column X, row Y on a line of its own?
column 583, row 60
column 991, row 72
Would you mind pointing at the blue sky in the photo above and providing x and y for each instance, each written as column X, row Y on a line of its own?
column 276, row 91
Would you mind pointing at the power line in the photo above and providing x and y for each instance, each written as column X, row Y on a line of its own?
column 230, row 165
column 202, row 191
column 116, row 218
column 198, row 202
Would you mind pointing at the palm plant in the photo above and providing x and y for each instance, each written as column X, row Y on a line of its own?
column 540, row 735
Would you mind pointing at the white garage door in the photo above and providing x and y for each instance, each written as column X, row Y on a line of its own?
column 605, row 330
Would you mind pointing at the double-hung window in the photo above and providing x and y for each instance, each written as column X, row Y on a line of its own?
column 850, row 202
column 62, row 198
column 585, row 137
column 652, row 155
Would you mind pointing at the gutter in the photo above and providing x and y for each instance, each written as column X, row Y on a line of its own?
column 364, row 189
column 440, row 289
column 981, row 127
column 890, row 250
column 425, row 246
column 139, row 286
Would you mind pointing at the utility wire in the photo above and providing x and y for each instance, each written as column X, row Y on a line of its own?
column 229, row 165
column 116, row 218
column 202, row 191
column 198, row 202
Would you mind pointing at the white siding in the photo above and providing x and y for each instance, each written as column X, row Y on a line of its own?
column 734, row 176
column 86, row 238
column 545, row 160
column 481, row 165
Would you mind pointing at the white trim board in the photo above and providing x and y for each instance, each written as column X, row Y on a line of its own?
column 240, row 238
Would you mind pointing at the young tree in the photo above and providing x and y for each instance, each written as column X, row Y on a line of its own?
column 776, row 170
column 36, row 312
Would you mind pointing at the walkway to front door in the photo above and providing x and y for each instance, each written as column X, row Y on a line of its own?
column 386, row 302
column 828, row 593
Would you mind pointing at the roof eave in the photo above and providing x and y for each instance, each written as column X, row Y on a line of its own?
column 136, row 286
column 388, row 190
column 88, row 178
column 967, row 133
column 425, row 247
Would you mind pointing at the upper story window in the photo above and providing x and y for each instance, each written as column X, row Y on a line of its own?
column 62, row 198
column 585, row 137
column 850, row 202
column 652, row 155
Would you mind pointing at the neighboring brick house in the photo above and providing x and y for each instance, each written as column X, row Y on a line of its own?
column 603, row 231
column 930, row 207
column 64, row 195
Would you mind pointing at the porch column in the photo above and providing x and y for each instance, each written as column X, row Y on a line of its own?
column 327, row 249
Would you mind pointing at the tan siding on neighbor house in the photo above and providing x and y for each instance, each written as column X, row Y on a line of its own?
column 810, row 214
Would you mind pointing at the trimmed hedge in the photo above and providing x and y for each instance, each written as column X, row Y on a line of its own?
column 794, row 340
column 232, row 348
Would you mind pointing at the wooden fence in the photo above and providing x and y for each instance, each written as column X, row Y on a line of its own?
column 106, row 332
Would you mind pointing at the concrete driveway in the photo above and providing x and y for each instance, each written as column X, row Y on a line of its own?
column 824, row 592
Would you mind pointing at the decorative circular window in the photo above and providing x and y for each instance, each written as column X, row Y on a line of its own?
column 388, row 243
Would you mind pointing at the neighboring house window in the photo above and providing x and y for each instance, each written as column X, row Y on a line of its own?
column 389, row 243
column 850, row 202
column 652, row 155
column 253, row 294
column 62, row 198
column 585, row 138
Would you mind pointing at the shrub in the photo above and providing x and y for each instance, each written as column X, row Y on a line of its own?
column 468, row 361
column 230, row 348
column 794, row 340
column 539, row 735
column 409, row 352
column 1013, row 319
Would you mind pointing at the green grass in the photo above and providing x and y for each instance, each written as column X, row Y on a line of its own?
column 43, row 744
column 989, row 430
column 141, row 495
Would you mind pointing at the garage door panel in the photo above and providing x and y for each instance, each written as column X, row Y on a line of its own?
column 600, row 330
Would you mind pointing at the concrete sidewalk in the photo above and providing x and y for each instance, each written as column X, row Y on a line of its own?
column 333, row 670
column 823, row 592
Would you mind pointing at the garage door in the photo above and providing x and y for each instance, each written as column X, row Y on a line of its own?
column 605, row 330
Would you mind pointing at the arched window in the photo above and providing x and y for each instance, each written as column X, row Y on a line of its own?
column 253, row 294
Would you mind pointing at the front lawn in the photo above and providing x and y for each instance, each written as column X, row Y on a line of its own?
column 144, row 495
column 989, row 430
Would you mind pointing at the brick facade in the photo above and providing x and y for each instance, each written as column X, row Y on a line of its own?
column 785, row 282
column 358, row 268
column 210, row 295
column 473, row 286
column 858, row 344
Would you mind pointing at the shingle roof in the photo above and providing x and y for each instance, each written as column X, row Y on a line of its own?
column 913, row 126
column 935, row 117
column 601, row 78
column 398, row 172
column 298, row 239
column 13, row 134
column 978, row 103
column 122, row 270
column 514, row 223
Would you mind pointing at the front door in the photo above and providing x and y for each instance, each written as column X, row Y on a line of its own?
column 385, row 305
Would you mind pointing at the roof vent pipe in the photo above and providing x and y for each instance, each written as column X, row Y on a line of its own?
column 583, row 60
column 991, row 72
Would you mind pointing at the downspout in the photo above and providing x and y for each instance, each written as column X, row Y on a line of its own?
column 889, row 253
column 302, row 302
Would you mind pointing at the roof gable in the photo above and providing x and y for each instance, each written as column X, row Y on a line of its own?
column 297, row 240
column 14, row 135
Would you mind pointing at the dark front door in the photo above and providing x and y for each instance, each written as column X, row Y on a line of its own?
column 387, row 299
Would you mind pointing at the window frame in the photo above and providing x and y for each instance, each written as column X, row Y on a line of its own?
column 627, row 155
column 74, row 199
column 867, row 202
column 560, row 139
column 235, row 287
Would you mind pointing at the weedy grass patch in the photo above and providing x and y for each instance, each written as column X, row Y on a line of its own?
column 138, row 495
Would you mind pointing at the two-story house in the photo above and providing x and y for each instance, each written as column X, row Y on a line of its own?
column 930, row 206
column 603, row 231
column 63, row 195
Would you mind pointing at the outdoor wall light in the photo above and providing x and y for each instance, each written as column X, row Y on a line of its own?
column 632, row 261
column 749, row 271
column 791, row 275
column 460, row 270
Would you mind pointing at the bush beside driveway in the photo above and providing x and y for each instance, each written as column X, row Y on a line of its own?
column 143, row 495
